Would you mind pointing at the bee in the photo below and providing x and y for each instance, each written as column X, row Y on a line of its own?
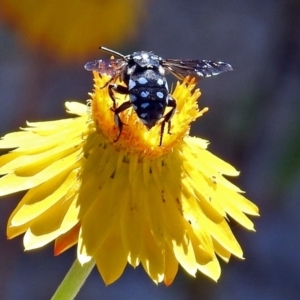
column 143, row 76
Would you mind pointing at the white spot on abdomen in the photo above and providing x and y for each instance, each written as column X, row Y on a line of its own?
column 131, row 85
column 144, row 115
column 132, row 97
column 144, row 94
column 145, row 105
column 160, row 81
column 142, row 80
column 159, row 95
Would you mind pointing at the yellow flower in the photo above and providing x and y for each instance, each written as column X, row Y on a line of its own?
column 69, row 30
column 130, row 201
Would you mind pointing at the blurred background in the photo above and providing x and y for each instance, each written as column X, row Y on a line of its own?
column 253, row 123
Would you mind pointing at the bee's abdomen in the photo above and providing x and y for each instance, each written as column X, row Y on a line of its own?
column 148, row 92
column 149, row 104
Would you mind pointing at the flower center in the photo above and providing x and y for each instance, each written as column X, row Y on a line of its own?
column 135, row 137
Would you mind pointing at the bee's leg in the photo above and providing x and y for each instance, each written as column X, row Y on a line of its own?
column 117, row 118
column 167, row 118
column 108, row 82
column 117, row 88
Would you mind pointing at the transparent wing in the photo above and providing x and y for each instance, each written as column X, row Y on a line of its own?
column 196, row 68
column 111, row 67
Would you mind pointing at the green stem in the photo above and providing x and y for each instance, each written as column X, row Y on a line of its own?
column 73, row 281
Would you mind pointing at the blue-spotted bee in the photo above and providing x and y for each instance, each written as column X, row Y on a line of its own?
column 143, row 74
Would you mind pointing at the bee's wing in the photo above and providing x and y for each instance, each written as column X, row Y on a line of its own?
column 198, row 68
column 111, row 67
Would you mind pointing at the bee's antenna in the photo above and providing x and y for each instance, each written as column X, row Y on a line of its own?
column 113, row 52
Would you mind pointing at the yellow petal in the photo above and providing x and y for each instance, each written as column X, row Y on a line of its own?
column 222, row 234
column 222, row 252
column 105, row 212
column 44, row 196
column 132, row 219
column 152, row 257
column 12, row 183
column 111, row 259
column 66, row 240
column 60, row 218
column 171, row 266
column 211, row 269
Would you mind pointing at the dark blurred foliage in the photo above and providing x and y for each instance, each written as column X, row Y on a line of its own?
column 253, row 123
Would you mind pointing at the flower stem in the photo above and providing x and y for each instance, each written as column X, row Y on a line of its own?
column 73, row 281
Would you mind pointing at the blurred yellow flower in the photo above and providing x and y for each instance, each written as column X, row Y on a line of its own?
column 69, row 30
column 131, row 201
